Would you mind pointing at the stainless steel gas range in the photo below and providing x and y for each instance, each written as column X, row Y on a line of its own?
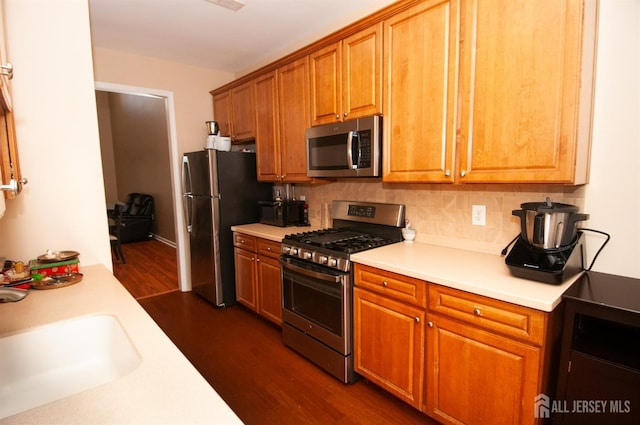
column 317, row 281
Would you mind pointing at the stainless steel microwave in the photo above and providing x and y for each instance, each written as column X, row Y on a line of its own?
column 346, row 149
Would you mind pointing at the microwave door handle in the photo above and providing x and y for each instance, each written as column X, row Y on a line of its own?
column 353, row 135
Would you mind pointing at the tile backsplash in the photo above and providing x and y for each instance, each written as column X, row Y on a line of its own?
column 441, row 214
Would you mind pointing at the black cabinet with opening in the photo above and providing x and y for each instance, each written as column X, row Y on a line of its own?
column 599, row 372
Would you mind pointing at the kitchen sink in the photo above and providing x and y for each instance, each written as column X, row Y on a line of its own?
column 54, row 361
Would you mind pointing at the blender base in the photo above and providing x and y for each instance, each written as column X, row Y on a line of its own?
column 548, row 266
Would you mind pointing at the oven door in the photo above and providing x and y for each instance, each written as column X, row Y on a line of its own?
column 317, row 302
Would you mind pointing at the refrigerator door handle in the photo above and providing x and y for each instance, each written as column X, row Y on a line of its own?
column 187, row 197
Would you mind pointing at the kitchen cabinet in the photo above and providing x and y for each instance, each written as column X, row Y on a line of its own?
column 294, row 119
column 420, row 101
column 489, row 92
column 487, row 360
column 10, row 173
column 526, row 84
column 268, row 156
column 244, row 256
column 269, row 283
column 282, row 117
column 461, row 358
column 389, row 331
column 346, row 78
column 234, row 110
column 257, row 270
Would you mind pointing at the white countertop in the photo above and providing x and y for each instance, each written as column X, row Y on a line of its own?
column 272, row 233
column 475, row 272
column 164, row 389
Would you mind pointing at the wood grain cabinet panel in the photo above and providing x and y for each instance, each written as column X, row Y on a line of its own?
column 257, row 268
column 526, row 85
column 389, row 344
column 294, row 119
column 498, row 316
column 477, row 377
column 234, row 110
column 420, row 72
column 268, row 155
column 346, row 78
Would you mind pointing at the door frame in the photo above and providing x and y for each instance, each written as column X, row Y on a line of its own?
column 175, row 168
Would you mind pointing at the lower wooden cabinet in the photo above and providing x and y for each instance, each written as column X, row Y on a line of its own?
column 389, row 341
column 477, row 377
column 257, row 270
column 459, row 357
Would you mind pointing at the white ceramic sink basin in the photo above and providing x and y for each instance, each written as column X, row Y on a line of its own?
column 48, row 363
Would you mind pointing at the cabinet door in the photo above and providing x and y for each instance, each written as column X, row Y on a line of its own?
column 476, row 377
column 421, row 67
column 244, row 112
column 389, row 344
column 362, row 73
column 270, row 288
column 222, row 112
column 293, row 97
column 267, row 139
column 245, row 268
column 326, row 84
column 526, row 85
column 9, row 163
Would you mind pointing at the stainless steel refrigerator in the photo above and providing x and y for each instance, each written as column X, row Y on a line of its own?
column 220, row 189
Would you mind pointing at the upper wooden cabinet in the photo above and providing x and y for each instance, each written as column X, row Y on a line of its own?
column 514, row 100
column 10, row 174
column 346, row 78
column 234, row 110
column 421, row 67
column 268, row 156
column 526, row 88
column 293, row 101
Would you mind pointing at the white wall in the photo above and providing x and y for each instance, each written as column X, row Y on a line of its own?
column 62, row 207
column 613, row 193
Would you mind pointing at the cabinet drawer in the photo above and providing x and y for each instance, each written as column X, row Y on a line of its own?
column 268, row 248
column 244, row 241
column 498, row 316
column 401, row 288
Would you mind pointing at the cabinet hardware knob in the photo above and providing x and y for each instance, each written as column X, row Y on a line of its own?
column 258, row 260
column 345, row 114
column 7, row 69
column 417, row 319
column 253, row 259
column 14, row 186
column 268, row 248
column 447, row 173
column 463, row 173
column 477, row 311
column 430, row 324
column 384, row 283
column 338, row 116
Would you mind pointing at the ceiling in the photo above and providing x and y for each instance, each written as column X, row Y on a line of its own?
column 201, row 33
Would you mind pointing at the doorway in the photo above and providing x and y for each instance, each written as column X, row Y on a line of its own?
column 173, row 200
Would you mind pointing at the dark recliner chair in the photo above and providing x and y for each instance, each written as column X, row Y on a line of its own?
column 137, row 218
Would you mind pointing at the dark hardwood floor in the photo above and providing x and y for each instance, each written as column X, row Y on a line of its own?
column 243, row 358
column 150, row 268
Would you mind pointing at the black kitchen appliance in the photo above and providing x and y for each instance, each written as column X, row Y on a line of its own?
column 317, row 281
column 550, row 247
column 283, row 213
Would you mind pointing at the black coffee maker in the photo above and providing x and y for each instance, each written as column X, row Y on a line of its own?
column 550, row 247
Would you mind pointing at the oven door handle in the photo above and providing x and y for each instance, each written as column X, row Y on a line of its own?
column 311, row 273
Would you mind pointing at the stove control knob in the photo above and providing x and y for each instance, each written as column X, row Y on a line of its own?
column 307, row 255
column 286, row 249
column 324, row 259
column 333, row 262
column 294, row 251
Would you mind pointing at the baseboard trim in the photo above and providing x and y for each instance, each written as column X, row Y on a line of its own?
column 163, row 240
